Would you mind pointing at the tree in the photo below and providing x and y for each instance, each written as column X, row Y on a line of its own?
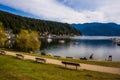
column 3, row 35
column 28, row 41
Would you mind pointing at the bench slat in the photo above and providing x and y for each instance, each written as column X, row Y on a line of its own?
column 69, row 57
column 57, row 56
column 70, row 63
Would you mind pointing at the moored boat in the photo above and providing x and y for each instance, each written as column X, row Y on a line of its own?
column 61, row 41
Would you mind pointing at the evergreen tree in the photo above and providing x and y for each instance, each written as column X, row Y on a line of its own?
column 12, row 21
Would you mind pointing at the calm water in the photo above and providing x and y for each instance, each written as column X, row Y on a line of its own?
column 100, row 47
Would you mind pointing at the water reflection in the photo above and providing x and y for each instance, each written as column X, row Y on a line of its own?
column 83, row 47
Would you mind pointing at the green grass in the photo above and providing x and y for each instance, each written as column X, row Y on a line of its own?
column 12, row 68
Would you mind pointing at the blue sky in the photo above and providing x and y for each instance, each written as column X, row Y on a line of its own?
column 15, row 11
column 67, row 11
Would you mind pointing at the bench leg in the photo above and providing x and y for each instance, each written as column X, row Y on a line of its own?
column 22, row 58
column 44, row 61
column 19, row 57
column 37, row 61
column 65, row 65
column 76, row 67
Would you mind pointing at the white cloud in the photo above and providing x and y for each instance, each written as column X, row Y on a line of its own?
column 54, row 10
column 111, row 11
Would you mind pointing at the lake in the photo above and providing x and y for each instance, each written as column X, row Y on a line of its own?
column 100, row 46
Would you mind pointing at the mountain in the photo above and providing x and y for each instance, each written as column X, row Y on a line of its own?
column 16, row 23
column 98, row 29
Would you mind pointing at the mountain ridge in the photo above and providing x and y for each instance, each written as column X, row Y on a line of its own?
column 98, row 29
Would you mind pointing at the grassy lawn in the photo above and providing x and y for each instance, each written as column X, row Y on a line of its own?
column 12, row 68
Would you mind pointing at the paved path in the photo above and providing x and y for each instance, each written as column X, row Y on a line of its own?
column 82, row 66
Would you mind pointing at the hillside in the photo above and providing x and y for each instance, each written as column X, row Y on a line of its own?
column 16, row 23
column 98, row 29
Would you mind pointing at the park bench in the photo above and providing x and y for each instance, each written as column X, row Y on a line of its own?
column 20, row 56
column 57, row 57
column 84, row 58
column 70, row 63
column 41, row 60
column 67, row 57
column 3, row 52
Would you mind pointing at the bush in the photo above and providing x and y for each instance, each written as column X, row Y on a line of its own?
column 28, row 41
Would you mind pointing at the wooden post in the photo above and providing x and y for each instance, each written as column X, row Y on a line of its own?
column 65, row 65
column 76, row 67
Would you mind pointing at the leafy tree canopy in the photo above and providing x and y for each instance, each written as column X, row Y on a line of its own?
column 3, row 35
column 28, row 41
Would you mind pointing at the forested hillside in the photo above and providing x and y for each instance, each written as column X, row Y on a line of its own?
column 16, row 23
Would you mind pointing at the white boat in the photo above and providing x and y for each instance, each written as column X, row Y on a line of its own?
column 116, row 40
column 49, row 36
column 61, row 41
column 49, row 40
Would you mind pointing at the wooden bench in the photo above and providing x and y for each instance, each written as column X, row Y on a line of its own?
column 67, row 57
column 41, row 60
column 3, row 52
column 20, row 56
column 70, row 63
column 57, row 57
column 84, row 58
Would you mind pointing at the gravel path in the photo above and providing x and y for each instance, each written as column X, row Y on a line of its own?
column 82, row 66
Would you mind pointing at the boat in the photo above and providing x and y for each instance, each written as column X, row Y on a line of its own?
column 49, row 36
column 116, row 41
column 49, row 40
column 61, row 41
column 118, row 44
